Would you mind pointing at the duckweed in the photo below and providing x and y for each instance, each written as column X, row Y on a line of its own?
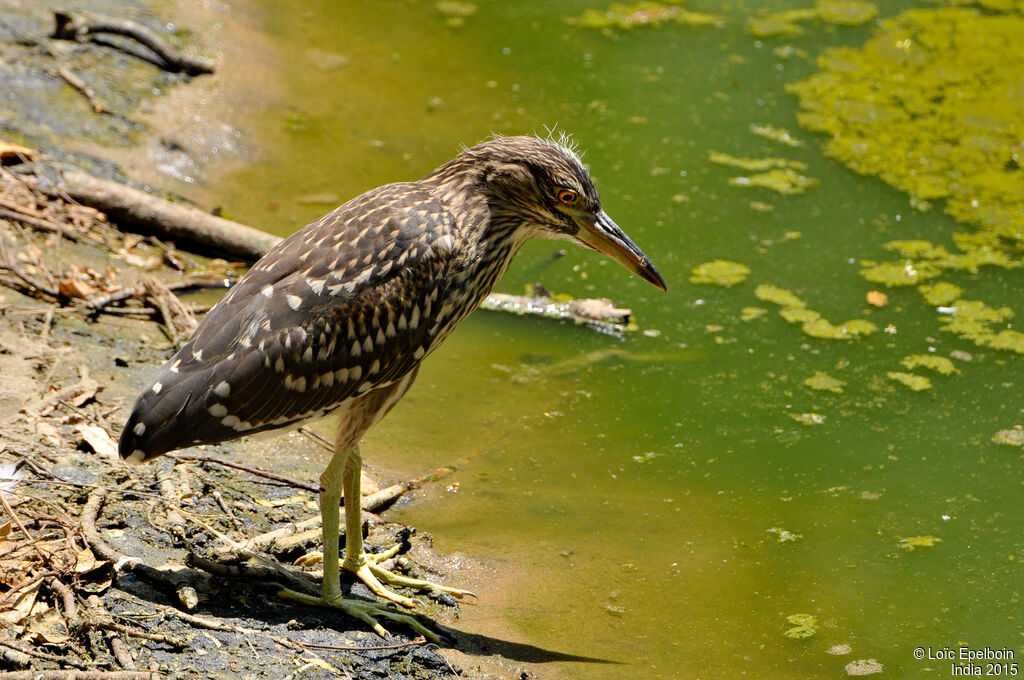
column 929, row 106
column 753, row 164
column 804, row 626
column 794, row 310
column 784, row 535
column 1013, row 436
column 776, row 134
column 821, row 328
column 941, row 293
column 786, row 181
column 779, row 296
column 840, row 12
column 893, row 274
column 628, row 16
column 918, row 383
column 911, row 543
column 751, row 313
column 808, row 418
column 799, row 314
column 823, row 381
column 720, row 273
column 930, row 361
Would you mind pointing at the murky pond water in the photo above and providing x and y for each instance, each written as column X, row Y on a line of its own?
column 678, row 501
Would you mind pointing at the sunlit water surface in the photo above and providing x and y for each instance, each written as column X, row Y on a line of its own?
column 639, row 495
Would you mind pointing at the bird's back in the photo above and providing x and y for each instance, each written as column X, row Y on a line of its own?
column 346, row 305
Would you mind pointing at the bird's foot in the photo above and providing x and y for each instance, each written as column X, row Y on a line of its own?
column 367, row 612
column 367, row 569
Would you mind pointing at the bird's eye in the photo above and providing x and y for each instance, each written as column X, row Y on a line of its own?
column 567, row 196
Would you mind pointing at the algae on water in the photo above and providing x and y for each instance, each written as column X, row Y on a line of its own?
column 823, row 381
column 803, row 626
column 931, row 106
column 638, row 14
column 720, row 273
column 930, row 361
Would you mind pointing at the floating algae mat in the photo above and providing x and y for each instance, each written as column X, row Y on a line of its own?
column 933, row 105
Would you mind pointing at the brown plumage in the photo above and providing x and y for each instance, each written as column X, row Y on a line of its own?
column 338, row 317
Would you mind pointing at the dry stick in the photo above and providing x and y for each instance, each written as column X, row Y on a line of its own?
column 153, row 215
column 42, row 655
column 418, row 640
column 78, row 675
column 135, row 632
column 123, row 294
column 69, row 27
column 42, row 225
column 29, row 283
column 76, row 82
column 259, row 472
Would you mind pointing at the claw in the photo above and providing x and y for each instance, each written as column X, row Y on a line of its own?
column 367, row 612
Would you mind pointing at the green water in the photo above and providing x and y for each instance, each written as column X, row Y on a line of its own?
column 634, row 495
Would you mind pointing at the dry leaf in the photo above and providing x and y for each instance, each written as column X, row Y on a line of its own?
column 98, row 438
column 11, row 150
column 49, row 432
column 76, row 288
column 85, row 562
column 49, row 628
column 877, row 298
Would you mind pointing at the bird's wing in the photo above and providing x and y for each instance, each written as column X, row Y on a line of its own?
column 342, row 307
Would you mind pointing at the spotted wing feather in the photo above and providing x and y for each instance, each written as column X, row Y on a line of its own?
column 344, row 306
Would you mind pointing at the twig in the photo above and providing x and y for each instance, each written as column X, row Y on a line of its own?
column 42, row 655
column 418, row 640
column 259, row 472
column 43, row 225
column 67, row 597
column 135, row 632
column 68, row 27
column 32, row 285
column 77, row 83
column 211, row 624
column 98, row 303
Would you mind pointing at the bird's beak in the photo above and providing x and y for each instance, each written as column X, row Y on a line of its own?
column 604, row 236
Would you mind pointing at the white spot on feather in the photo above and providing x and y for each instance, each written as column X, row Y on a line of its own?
column 267, row 290
column 218, row 410
column 230, row 421
column 222, row 389
column 157, row 387
column 139, row 429
column 294, row 301
column 138, row 456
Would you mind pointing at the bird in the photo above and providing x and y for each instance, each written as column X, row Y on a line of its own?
column 337, row 318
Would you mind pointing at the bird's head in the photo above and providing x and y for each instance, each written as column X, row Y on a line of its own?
column 542, row 188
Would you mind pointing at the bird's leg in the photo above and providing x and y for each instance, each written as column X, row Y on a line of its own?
column 330, row 499
column 366, row 566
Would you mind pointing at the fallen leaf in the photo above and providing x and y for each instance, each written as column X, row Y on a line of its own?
column 76, row 288
column 12, row 150
column 49, row 627
column 98, row 438
column 877, row 298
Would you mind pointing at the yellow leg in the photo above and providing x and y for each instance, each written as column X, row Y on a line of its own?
column 366, row 566
column 332, row 482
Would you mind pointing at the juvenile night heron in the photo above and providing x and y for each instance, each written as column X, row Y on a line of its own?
column 337, row 318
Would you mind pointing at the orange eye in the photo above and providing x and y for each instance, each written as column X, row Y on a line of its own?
column 568, row 196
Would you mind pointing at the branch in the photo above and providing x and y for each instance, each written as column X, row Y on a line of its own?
column 70, row 27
